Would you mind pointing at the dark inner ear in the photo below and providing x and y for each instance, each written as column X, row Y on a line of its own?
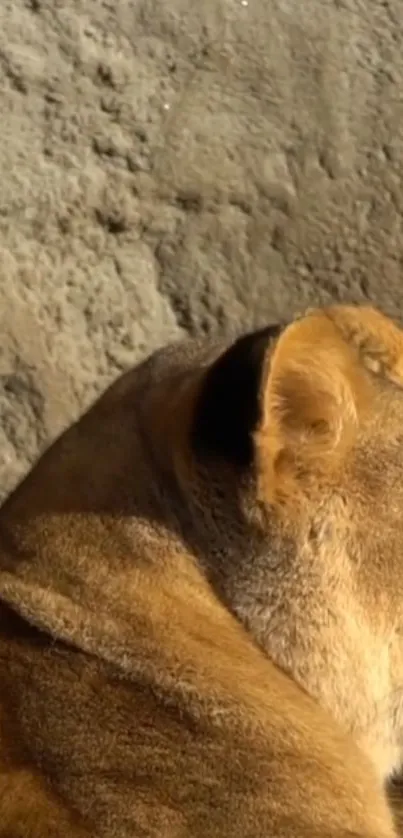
column 228, row 410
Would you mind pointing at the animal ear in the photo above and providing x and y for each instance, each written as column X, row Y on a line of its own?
column 228, row 408
column 283, row 400
column 313, row 399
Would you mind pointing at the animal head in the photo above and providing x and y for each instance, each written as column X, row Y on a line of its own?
column 294, row 467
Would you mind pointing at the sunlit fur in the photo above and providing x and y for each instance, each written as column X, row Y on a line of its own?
column 201, row 597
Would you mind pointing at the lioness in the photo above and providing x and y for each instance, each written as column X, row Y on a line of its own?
column 201, row 596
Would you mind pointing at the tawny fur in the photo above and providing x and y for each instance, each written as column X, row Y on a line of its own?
column 201, row 612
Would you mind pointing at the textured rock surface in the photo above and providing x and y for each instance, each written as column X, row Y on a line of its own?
column 170, row 166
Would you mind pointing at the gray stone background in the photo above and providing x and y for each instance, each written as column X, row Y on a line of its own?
column 173, row 166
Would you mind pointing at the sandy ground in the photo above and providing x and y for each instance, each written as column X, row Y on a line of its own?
column 179, row 165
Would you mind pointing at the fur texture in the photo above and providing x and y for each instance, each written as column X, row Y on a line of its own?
column 201, row 613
